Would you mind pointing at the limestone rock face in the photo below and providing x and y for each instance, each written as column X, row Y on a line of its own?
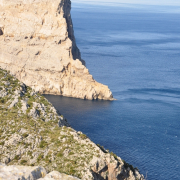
column 37, row 45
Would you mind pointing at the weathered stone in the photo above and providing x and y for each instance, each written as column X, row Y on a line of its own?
column 15, row 101
column 13, row 140
column 34, row 113
column 21, row 172
column 30, row 173
column 37, row 45
column 25, row 106
column 3, row 93
column 54, row 175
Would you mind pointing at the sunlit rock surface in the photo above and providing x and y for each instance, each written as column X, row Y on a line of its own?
column 37, row 45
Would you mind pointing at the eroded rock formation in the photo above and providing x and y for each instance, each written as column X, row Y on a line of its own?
column 37, row 45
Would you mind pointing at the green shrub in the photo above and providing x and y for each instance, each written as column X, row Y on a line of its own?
column 71, row 153
column 26, row 145
column 2, row 143
column 43, row 144
column 17, row 157
column 2, row 100
column 102, row 148
column 112, row 154
column 47, row 159
column 25, row 135
column 23, row 162
column 29, row 153
column 72, row 171
column 59, row 155
column 83, row 136
column 40, row 157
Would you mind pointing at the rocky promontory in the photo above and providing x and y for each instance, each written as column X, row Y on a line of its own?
column 34, row 135
column 37, row 45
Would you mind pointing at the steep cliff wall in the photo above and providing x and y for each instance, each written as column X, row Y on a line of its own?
column 37, row 45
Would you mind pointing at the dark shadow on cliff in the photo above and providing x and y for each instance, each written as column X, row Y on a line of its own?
column 1, row 32
column 97, row 175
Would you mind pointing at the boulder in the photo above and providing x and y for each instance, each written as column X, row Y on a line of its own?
column 21, row 172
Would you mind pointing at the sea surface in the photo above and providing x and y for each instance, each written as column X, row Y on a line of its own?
column 135, row 50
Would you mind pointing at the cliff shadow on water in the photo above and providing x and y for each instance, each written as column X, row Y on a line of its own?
column 76, row 106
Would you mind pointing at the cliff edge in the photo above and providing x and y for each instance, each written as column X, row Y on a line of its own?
column 37, row 45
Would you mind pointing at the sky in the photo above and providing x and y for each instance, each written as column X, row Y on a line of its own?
column 143, row 2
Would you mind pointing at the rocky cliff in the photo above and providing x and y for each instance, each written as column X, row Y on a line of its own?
column 33, row 133
column 37, row 45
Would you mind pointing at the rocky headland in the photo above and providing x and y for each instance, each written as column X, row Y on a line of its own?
column 36, row 141
column 37, row 45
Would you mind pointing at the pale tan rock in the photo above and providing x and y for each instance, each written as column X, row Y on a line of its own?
column 30, row 173
column 107, row 167
column 21, row 172
column 37, row 45
column 14, row 140
column 54, row 175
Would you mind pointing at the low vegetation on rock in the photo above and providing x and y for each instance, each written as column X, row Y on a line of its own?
column 34, row 133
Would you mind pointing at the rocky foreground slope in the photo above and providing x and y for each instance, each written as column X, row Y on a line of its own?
column 33, row 133
column 37, row 45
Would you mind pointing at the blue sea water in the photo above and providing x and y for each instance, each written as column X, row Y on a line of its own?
column 135, row 50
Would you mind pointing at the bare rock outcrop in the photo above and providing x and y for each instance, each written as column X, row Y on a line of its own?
column 37, row 45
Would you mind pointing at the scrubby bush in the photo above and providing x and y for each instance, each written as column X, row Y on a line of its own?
column 83, row 136
column 43, row 144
